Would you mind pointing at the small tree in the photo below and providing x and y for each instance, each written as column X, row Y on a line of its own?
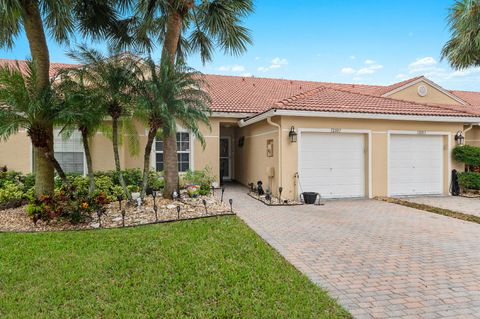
column 114, row 78
column 26, row 104
column 168, row 94
column 84, row 111
column 187, row 26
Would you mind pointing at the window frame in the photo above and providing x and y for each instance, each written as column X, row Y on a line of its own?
column 191, row 137
column 56, row 133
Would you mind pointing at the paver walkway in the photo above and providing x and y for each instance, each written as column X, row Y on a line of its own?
column 380, row 260
column 456, row 203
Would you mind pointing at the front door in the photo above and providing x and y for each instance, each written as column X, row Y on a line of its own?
column 225, row 158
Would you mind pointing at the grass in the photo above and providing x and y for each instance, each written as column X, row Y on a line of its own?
column 213, row 268
column 432, row 209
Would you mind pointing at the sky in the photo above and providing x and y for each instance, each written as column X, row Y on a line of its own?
column 348, row 41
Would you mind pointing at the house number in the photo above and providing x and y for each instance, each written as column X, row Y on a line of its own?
column 336, row 130
column 421, row 132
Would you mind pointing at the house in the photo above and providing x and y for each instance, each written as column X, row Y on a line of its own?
column 341, row 140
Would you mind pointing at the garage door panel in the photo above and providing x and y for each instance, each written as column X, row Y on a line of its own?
column 332, row 164
column 415, row 165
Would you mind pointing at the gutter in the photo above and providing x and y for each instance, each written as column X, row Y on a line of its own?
column 269, row 121
column 368, row 116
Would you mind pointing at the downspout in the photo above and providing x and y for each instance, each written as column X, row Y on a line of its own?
column 269, row 121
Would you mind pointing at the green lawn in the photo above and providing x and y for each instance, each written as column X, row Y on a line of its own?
column 211, row 268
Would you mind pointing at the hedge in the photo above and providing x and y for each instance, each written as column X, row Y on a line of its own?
column 469, row 180
column 468, row 154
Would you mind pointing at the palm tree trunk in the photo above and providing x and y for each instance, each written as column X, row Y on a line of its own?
column 116, row 156
column 43, row 173
column 170, row 165
column 88, row 157
column 170, row 159
column 32, row 21
column 146, row 159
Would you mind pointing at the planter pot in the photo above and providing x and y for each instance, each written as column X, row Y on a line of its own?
column 309, row 197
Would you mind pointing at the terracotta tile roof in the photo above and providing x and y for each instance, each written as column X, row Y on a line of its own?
column 236, row 94
column 252, row 94
column 385, row 89
column 54, row 67
column 328, row 99
column 472, row 98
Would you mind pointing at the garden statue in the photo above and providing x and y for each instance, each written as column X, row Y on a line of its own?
column 260, row 190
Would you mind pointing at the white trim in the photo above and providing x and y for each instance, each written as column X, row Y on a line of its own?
column 368, row 116
column 340, row 131
column 230, row 159
column 431, row 83
column 191, row 164
column 417, row 133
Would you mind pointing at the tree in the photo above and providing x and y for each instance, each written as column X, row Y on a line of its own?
column 463, row 48
column 187, row 26
column 25, row 104
column 61, row 18
column 170, row 93
column 84, row 111
column 114, row 78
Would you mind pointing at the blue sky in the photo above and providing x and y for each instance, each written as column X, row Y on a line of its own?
column 368, row 41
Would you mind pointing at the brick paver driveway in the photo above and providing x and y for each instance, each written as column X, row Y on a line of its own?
column 380, row 260
column 456, row 203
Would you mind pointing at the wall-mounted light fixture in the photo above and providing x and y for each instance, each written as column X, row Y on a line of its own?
column 292, row 135
column 459, row 138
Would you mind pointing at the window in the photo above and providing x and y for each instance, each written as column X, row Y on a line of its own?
column 183, row 152
column 69, row 152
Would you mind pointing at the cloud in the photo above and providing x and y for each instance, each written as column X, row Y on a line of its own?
column 257, row 58
column 276, row 63
column 352, row 57
column 369, row 67
column 401, row 76
column 348, row 70
column 425, row 64
column 236, row 68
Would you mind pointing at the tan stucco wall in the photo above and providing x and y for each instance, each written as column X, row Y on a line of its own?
column 379, row 133
column 16, row 153
column 472, row 136
column 434, row 95
column 251, row 159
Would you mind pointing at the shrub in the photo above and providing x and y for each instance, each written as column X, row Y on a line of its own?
column 155, row 180
column 469, row 180
column 9, row 177
column 203, row 178
column 468, row 154
column 74, row 208
column 10, row 191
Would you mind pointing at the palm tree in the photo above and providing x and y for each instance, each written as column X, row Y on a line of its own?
column 114, row 77
column 84, row 111
column 187, row 26
column 171, row 93
column 463, row 48
column 26, row 105
column 61, row 18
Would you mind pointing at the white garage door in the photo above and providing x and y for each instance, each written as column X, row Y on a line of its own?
column 332, row 164
column 415, row 165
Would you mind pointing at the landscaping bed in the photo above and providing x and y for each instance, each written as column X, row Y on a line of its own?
column 273, row 201
column 17, row 219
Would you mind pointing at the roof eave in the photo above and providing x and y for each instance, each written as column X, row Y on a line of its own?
column 372, row 116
